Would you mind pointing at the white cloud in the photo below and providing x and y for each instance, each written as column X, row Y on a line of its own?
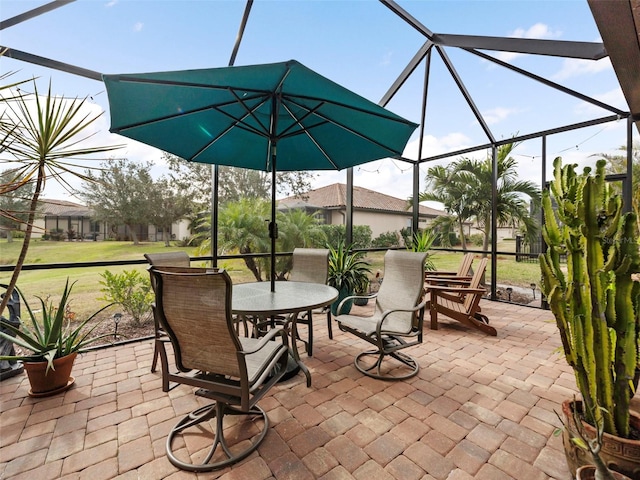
column 613, row 97
column 386, row 59
column 537, row 31
column 498, row 114
column 112, row 3
column 573, row 67
column 137, row 27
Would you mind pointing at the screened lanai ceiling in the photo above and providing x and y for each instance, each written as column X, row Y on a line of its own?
column 617, row 23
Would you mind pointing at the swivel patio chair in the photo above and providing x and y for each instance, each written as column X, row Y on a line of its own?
column 311, row 265
column 165, row 259
column 397, row 320
column 460, row 302
column 194, row 309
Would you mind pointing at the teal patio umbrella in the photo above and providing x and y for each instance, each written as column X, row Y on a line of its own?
column 271, row 117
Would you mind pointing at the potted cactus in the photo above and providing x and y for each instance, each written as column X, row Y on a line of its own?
column 596, row 304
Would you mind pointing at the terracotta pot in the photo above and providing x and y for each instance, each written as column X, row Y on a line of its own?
column 619, row 454
column 588, row 472
column 45, row 383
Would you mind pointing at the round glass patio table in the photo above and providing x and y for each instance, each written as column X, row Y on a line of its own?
column 256, row 299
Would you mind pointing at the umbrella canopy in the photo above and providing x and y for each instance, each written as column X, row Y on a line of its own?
column 272, row 117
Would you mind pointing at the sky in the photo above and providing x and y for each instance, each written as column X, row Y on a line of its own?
column 360, row 44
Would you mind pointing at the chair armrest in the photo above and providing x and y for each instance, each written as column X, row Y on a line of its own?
column 351, row 297
column 271, row 333
column 443, row 288
column 463, row 280
column 386, row 313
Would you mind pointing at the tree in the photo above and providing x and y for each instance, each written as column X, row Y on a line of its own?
column 618, row 164
column 234, row 183
column 41, row 139
column 14, row 205
column 465, row 189
column 123, row 193
column 243, row 227
column 170, row 205
column 444, row 186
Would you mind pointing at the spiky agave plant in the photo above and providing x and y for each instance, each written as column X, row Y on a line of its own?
column 52, row 336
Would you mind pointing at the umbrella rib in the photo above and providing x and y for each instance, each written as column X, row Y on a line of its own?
column 343, row 126
column 306, row 131
column 392, row 116
column 186, row 112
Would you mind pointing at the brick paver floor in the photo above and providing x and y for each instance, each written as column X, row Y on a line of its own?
column 481, row 407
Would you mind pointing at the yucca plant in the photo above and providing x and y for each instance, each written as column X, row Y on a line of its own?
column 52, row 335
column 41, row 137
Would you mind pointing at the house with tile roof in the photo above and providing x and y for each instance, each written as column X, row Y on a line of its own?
column 64, row 216
column 383, row 213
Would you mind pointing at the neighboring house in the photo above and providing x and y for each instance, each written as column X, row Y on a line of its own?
column 383, row 213
column 65, row 216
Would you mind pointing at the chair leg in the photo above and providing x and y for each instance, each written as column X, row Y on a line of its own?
column 156, row 353
column 329, row 325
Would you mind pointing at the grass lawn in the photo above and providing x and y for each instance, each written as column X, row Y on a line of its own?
column 86, row 292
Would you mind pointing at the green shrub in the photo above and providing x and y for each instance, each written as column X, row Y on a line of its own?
column 386, row 240
column 56, row 234
column 132, row 290
column 337, row 233
column 476, row 239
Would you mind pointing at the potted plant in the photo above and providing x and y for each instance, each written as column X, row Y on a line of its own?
column 348, row 273
column 592, row 444
column 596, row 304
column 53, row 342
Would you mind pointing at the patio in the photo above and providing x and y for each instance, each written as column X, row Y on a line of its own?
column 481, row 407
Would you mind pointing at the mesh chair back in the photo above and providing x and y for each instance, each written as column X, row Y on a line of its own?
column 195, row 310
column 168, row 259
column 310, row 265
column 402, row 284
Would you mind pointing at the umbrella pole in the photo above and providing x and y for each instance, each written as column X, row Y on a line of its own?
column 273, row 227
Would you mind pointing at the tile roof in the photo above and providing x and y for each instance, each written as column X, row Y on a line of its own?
column 335, row 197
column 63, row 208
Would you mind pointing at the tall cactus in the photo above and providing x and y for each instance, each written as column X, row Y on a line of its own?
column 595, row 299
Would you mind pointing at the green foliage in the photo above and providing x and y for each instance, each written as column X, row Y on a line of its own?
column 422, row 241
column 386, row 240
column 52, row 336
column 347, row 270
column 594, row 299
column 43, row 137
column 132, row 290
column 464, row 187
column 338, row 233
column 476, row 239
column 56, row 234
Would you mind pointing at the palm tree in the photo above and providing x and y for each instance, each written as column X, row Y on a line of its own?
column 443, row 186
column 464, row 188
column 513, row 195
column 41, row 140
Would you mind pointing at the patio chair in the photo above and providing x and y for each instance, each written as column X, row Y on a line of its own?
column 311, row 265
column 460, row 302
column 164, row 259
column 397, row 320
column 194, row 309
column 463, row 269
